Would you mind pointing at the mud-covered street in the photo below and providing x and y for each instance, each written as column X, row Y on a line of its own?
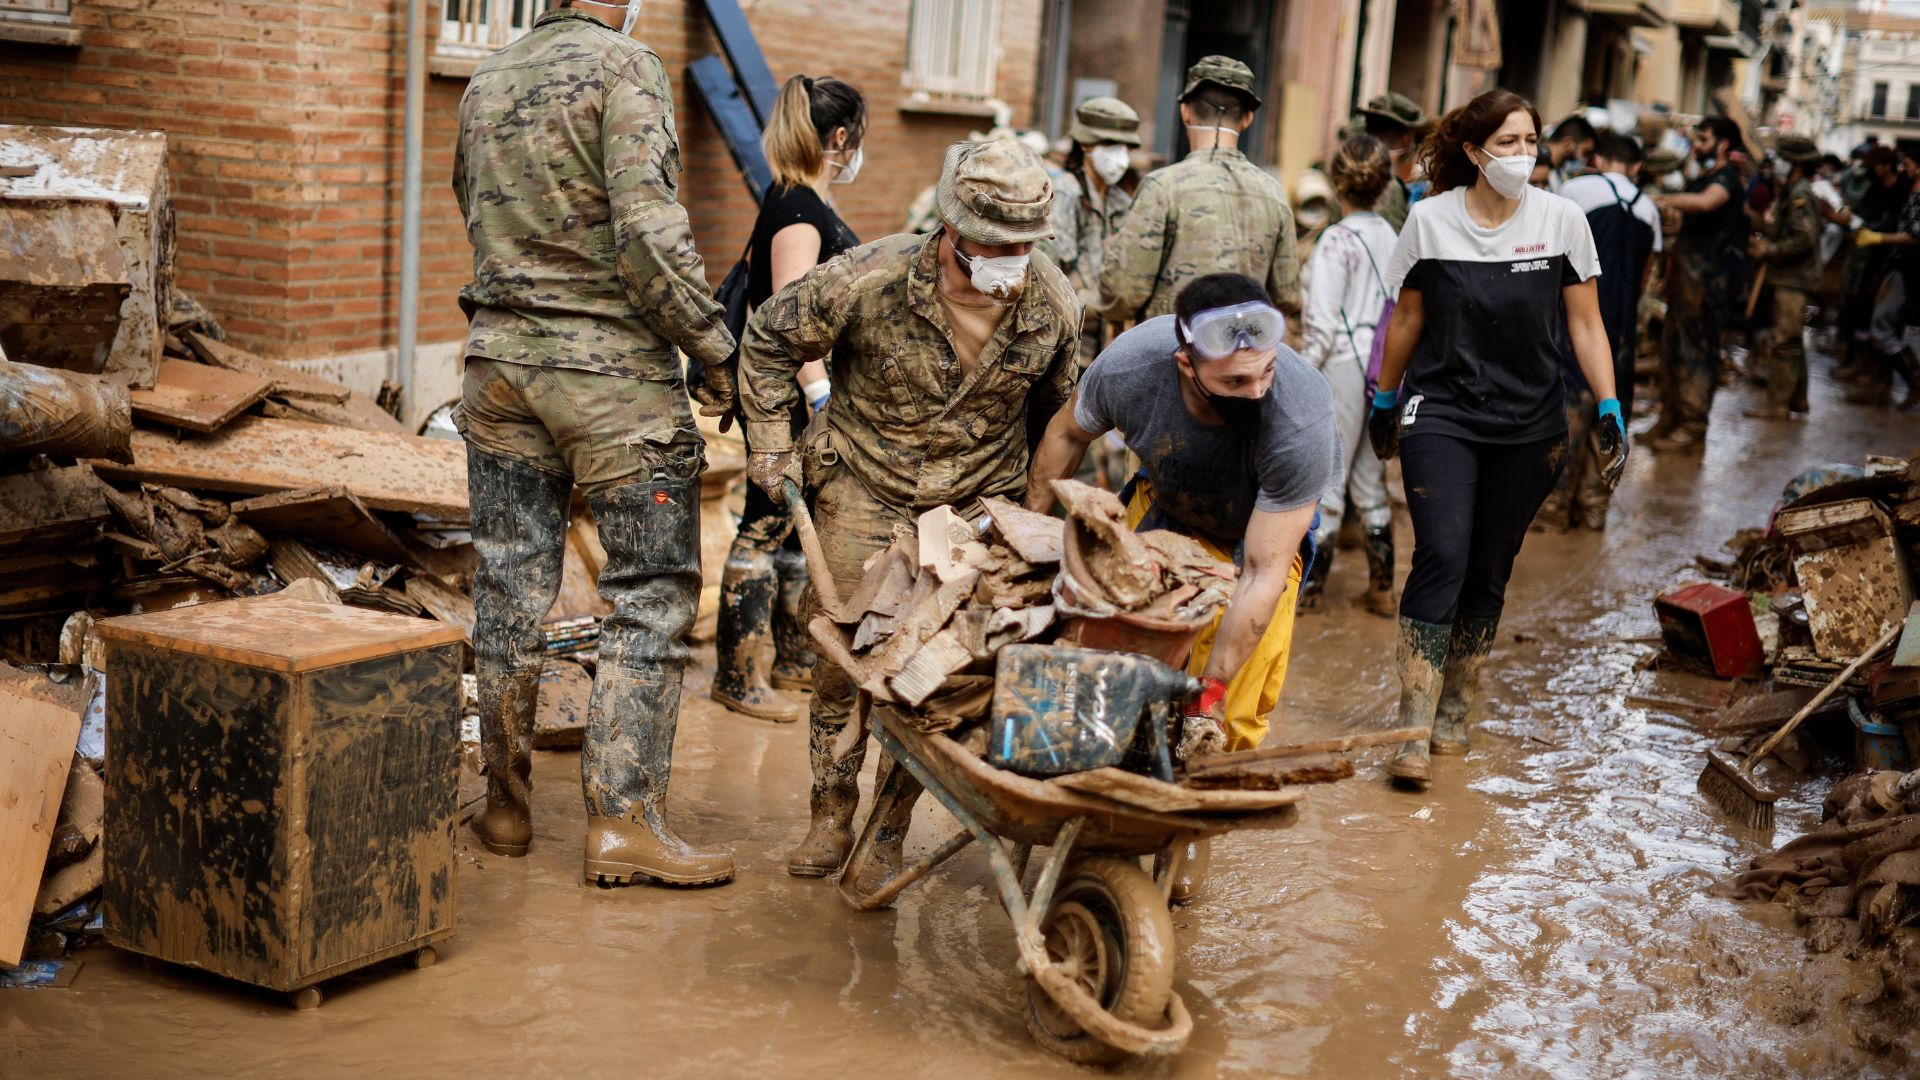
column 1539, row 912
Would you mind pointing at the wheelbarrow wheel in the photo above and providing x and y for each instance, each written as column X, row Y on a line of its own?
column 1110, row 931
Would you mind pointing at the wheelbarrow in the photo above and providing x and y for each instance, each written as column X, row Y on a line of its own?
column 1094, row 935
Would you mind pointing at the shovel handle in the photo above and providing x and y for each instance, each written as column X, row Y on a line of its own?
column 810, row 545
column 1820, row 698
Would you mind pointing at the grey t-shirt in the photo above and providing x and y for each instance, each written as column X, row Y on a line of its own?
column 1211, row 479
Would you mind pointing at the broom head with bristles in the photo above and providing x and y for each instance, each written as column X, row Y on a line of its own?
column 1734, row 790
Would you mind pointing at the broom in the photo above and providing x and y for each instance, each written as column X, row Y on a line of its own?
column 1730, row 783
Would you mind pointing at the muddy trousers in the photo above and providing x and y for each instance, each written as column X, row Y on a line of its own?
column 852, row 524
column 1364, row 487
column 1689, row 354
column 1786, row 368
column 1471, row 503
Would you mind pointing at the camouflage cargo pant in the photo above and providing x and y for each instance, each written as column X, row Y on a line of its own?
column 1689, row 353
column 1787, row 351
column 532, row 434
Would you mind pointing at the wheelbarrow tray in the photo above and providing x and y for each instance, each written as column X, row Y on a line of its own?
column 1029, row 811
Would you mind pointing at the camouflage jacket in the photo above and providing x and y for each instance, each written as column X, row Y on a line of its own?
column 567, row 171
column 1213, row 212
column 1791, row 248
column 1392, row 205
column 1081, row 229
column 915, row 430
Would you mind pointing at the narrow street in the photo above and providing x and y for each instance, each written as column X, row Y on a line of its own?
column 1539, row 913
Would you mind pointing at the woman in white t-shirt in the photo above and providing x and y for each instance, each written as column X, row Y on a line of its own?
column 1494, row 281
column 1346, row 289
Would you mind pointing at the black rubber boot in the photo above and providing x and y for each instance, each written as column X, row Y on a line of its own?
column 651, row 531
column 519, row 516
column 1421, row 657
column 793, row 655
column 1467, row 650
column 743, row 637
column 1313, row 585
column 832, row 800
column 1380, row 596
column 894, row 793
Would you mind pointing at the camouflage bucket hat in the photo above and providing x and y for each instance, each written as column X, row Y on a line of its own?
column 1223, row 71
column 1797, row 149
column 995, row 192
column 1660, row 161
column 1395, row 109
column 1105, row 120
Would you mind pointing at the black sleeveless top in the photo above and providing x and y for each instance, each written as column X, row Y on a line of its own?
column 784, row 206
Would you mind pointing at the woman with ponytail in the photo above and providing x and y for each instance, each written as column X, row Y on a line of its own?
column 1495, row 282
column 812, row 143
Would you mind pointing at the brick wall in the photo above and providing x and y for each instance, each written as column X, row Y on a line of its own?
column 285, row 135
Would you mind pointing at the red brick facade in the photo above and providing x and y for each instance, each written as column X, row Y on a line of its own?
column 285, row 142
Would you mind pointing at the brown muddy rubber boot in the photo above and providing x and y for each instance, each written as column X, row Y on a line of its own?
column 1421, row 656
column 507, row 704
column 1380, row 599
column 1467, row 649
column 793, row 655
column 626, row 850
column 834, row 797
column 743, row 638
column 895, row 791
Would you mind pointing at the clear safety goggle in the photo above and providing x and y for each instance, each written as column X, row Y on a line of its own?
column 1220, row 332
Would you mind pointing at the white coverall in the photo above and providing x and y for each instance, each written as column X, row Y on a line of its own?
column 1345, row 291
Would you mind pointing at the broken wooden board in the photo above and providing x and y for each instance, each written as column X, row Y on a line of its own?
column 1147, row 793
column 356, row 412
column 927, row 669
column 329, row 515
column 1272, row 774
column 1037, row 538
column 50, row 580
column 1767, row 711
column 883, row 588
column 198, row 397
column 77, row 831
column 285, row 382
column 254, row 456
column 442, row 601
column 931, row 609
column 560, row 721
column 38, row 731
column 62, row 888
column 50, row 509
column 1337, row 745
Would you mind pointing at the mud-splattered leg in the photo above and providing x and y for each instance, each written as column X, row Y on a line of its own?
column 793, row 655
column 519, row 525
column 1470, row 642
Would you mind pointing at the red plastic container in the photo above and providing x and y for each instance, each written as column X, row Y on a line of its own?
column 1713, row 626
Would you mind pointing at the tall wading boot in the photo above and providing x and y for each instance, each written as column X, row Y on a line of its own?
column 1467, row 650
column 1876, row 384
column 1380, row 598
column 1313, row 586
column 743, row 637
column 834, row 797
column 507, row 707
column 894, row 793
column 1421, row 657
column 793, row 655
column 519, row 529
column 651, row 531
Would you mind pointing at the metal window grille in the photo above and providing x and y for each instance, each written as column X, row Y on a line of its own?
column 50, row 11
column 477, row 27
column 953, row 47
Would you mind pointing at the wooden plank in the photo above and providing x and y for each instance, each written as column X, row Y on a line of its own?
column 1319, row 746
column 37, row 737
column 1273, row 774
column 254, row 456
column 286, row 381
column 328, row 515
column 277, row 633
column 442, row 601
column 357, row 412
column 198, row 397
column 1134, row 789
column 50, row 508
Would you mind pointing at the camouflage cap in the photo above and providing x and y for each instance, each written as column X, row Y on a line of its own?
column 1105, row 120
column 1660, row 161
column 995, row 192
column 1223, row 71
column 1797, row 149
column 1395, row 109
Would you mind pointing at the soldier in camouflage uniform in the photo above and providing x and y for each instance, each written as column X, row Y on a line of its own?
column 585, row 282
column 1788, row 244
column 1088, row 207
column 1396, row 120
column 1703, row 287
column 1212, row 212
column 930, row 408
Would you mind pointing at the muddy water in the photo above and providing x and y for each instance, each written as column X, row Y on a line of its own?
column 1539, row 913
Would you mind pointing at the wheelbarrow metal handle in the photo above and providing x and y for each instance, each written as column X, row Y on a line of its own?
column 810, row 545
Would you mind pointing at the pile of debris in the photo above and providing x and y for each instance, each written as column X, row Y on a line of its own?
column 935, row 607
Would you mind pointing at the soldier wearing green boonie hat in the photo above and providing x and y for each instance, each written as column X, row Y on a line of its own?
column 1092, row 198
column 1395, row 119
column 1211, row 212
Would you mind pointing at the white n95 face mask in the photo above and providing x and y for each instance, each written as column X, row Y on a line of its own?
column 1000, row 278
column 1109, row 162
column 1509, row 175
column 633, row 12
column 851, row 168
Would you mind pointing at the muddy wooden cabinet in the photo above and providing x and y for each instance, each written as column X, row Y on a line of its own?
column 281, row 788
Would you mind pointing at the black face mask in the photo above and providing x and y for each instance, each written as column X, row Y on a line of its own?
column 1241, row 413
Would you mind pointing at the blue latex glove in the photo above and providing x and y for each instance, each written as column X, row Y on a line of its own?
column 1610, row 437
column 1383, row 424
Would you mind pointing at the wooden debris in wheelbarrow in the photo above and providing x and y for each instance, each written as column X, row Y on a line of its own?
column 1281, row 766
column 1107, row 569
column 1118, row 564
column 1134, row 789
column 1036, row 538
